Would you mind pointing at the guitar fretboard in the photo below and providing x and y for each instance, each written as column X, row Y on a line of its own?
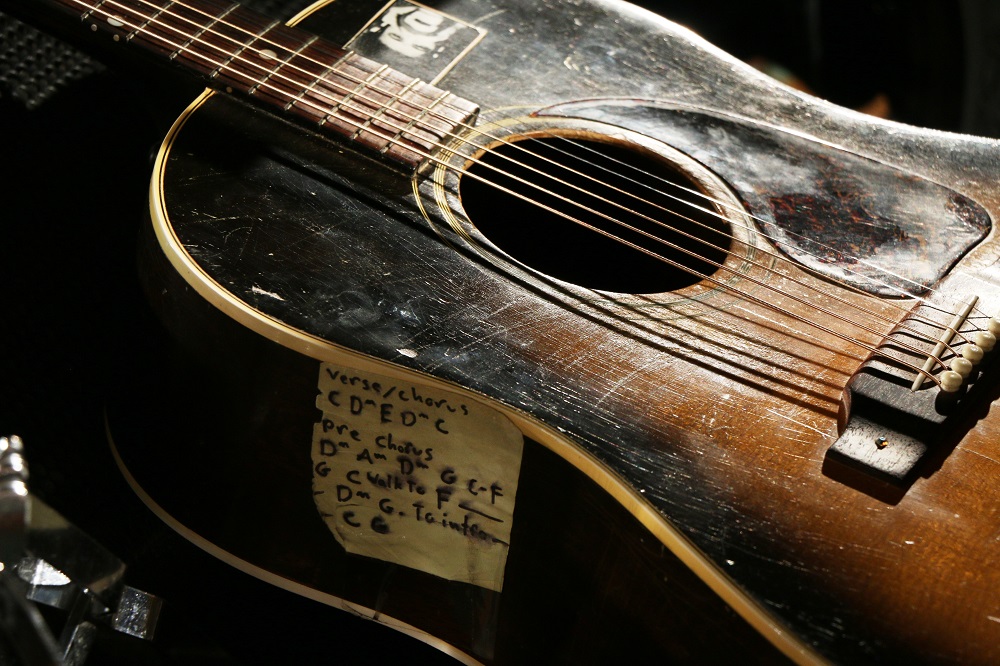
column 286, row 70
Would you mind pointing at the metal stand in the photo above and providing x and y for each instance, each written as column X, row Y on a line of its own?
column 46, row 561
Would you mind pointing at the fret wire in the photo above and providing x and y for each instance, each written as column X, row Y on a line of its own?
column 383, row 108
column 341, row 111
column 321, row 78
column 376, row 84
column 351, row 94
column 431, row 134
column 127, row 17
column 245, row 60
column 293, row 105
column 236, row 54
column 215, row 45
column 86, row 14
column 381, row 102
column 449, row 106
column 205, row 28
column 409, row 127
column 282, row 63
column 421, row 152
column 149, row 20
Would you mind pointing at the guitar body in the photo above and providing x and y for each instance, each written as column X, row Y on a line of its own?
column 672, row 500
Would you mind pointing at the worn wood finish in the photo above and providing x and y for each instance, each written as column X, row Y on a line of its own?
column 716, row 424
column 704, row 414
column 586, row 582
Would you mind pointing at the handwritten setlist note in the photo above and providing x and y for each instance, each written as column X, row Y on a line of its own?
column 415, row 476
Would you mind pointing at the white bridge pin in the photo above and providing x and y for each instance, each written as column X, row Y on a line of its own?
column 985, row 339
column 993, row 325
column 946, row 335
column 962, row 366
column 974, row 353
column 950, row 380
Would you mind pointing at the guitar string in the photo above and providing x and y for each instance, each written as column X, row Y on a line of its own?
column 743, row 213
column 898, row 326
column 814, row 243
column 288, row 64
column 766, row 251
column 193, row 39
column 592, row 228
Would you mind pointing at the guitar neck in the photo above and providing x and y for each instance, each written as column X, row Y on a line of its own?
column 285, row 70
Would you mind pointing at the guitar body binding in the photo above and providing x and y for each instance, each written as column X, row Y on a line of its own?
column 700, row 418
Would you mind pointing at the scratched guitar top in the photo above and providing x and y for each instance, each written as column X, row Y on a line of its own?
column 671, row 496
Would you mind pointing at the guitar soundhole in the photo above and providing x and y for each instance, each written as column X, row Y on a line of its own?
column 595, row 214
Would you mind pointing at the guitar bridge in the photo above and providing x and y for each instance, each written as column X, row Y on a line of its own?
column 902, row 408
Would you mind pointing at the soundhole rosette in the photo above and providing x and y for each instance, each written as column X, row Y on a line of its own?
column 597, row 214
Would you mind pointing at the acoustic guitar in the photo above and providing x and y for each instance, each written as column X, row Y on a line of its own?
column 547, row 332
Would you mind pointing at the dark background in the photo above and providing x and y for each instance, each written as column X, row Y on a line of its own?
column 77, row 141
